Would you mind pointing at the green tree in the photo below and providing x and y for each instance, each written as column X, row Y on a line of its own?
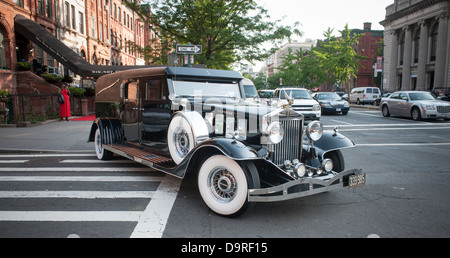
column 338, row 57
column 229, row 30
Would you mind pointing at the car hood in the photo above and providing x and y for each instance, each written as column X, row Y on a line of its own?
column 431, row 102
column 303, row 102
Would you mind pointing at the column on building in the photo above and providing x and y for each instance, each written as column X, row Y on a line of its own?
column 393, row 62
column 406, row 74
column 423, row 55
column 441, row 52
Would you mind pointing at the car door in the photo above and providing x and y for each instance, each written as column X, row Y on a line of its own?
column 393, row 104
column 404, row 106
column 155, row 112
column 130, row 114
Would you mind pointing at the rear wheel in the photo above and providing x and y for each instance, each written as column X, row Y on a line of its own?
column 223, row 184
column 101, row 153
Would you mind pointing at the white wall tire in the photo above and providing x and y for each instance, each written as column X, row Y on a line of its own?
column 180, row 139
column 101, row 153
column 223, row 185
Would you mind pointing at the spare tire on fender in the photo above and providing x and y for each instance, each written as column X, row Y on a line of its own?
column 186, row 130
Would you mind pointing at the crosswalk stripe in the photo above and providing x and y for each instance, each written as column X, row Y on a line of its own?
column 78, row 194
column 70, row 215
column 75, row 169
column 81, row 178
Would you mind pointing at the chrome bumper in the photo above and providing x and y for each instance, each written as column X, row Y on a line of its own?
column 302, row 187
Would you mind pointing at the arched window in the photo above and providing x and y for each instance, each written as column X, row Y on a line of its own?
column 2, row 51
column 434, row 36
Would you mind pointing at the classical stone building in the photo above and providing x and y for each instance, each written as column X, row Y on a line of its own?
column 417, row 45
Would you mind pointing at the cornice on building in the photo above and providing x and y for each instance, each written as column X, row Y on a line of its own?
column 409, row 10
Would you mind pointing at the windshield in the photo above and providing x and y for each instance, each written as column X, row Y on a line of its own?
column 421, row 96
column 328, row 96
column 250, row 91
column 296, row 94
column 206, row 89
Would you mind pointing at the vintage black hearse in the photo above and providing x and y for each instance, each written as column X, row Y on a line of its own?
column 182, row 120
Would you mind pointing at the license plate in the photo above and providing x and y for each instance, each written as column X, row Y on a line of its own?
column 338, row 110
column 357, row 180
column 375, row 96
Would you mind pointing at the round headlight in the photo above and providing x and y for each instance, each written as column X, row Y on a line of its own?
column 300, row 169
column 275, row 132
column 314, row 130
column 327, row 165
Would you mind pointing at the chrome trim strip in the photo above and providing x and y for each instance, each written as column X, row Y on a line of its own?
column 325, row 183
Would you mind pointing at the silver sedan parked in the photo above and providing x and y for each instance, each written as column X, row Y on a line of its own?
column 415, row 104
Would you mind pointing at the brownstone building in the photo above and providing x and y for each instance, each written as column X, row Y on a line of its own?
column 368, row 46
column 100, row 31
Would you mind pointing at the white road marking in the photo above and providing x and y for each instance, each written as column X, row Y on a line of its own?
column 13, row 161
column 150, row 223
column 341, row 122
column 78, row 194
column 96, row 161
column 45, row 155
column 70, row 215
column 81, row 178
column 76, row 169
column 394, row 128
column 154, row 219
column 402, row 144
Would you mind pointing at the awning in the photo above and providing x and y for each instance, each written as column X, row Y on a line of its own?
column 63, row 54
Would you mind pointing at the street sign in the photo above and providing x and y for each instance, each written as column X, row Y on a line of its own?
column 189, row 49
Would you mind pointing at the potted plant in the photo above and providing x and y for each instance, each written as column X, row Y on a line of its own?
column 23, row 66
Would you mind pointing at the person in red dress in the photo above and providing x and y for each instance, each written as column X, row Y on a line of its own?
column 65, row 107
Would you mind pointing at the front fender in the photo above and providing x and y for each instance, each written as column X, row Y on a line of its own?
column 232, row 148
column 332, row 141
column 229, row 147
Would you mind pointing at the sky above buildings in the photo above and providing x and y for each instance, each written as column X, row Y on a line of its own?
column 317, row 15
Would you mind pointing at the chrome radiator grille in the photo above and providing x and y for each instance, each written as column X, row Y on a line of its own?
column 442, row 109
column 289, row 148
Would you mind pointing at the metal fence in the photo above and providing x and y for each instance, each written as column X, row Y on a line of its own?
column 34, row 108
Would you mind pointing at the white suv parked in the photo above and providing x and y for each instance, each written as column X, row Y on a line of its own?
column 303, row 102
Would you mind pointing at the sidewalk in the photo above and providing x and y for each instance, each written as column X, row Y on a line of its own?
column 51, row 135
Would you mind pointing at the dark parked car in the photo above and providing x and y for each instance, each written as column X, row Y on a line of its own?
column 331, row 103
column 378, row 100
column 184, row 120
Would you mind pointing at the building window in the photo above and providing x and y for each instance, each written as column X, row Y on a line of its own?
column 81, row 22
column 402, row 49
column 49, row 8
column 120, row 15
column 41, row 7
column 67, row 11
column 19, row 3
column 416, row 46
column 100, row 30
column 74, row 23
column 2, row 52
column 434, row 36
column 93, row 27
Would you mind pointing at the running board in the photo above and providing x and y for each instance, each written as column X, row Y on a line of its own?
column 146, row 158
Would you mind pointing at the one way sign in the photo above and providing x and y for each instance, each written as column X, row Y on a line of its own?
column 189, row 49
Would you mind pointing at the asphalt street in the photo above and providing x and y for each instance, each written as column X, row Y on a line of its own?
column 66, row 194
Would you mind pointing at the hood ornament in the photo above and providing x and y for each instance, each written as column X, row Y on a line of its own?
column 290, row 100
